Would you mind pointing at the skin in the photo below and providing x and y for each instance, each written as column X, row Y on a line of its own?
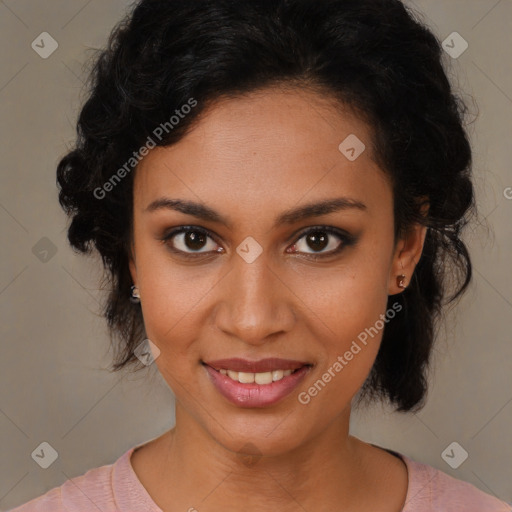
column 251, row 159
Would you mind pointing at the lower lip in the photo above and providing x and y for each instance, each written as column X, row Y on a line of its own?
column 255, row 395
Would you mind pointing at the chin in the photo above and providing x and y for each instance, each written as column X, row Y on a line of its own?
column 261, row 434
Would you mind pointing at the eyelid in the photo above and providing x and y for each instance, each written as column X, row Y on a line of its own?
column 168, row 235
column 319, row 227
column 346, row 239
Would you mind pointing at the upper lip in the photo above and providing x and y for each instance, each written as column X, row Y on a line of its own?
column 262, row 365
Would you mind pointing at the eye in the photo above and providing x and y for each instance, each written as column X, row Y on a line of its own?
column 321, row 241
column 190, row 238
column 192, row 241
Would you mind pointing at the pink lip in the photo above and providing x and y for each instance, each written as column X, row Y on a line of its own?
column 255, row 395
column 263, row 365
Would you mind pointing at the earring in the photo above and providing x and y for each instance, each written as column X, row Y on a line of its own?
column 400, row 279
column 135, row 296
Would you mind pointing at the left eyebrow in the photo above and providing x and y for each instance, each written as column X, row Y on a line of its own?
column 287, row 217
column 318, row 209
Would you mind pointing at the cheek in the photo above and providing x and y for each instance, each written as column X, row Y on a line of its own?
column 171, row 296
column 169, row 310
column 351, row 297
column 350, row 308
column 348, row 349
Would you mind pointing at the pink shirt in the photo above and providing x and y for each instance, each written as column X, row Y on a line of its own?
column 116, row 488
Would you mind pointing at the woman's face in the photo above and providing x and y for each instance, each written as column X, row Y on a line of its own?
column 244, row 284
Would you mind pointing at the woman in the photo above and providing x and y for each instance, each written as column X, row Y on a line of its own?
column 277, row 190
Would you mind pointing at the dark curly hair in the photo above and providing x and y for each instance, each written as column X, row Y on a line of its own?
column 375, row 56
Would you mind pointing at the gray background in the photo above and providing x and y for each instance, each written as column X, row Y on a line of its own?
column 54, row 352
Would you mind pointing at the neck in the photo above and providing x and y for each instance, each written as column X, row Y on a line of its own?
column 193, row 464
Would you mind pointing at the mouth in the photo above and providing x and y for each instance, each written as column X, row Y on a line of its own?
column 263, row 371
column 256, row 383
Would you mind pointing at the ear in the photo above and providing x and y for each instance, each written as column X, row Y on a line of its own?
column 132, row 264
column 407, row 255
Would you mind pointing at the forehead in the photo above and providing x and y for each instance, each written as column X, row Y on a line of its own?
column 268, row 145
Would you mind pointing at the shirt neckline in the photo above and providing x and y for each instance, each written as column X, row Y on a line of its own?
column 416, row 474
column 127, row 488
column 129, row 491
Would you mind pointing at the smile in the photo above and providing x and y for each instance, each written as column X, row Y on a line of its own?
column 258, row 378
column 270, row 380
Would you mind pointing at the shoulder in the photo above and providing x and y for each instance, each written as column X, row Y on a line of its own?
column 433, row 490
column 50, row 501
column 77, row 494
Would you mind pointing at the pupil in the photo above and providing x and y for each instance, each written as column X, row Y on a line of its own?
column 317, row 240
column 195, row 240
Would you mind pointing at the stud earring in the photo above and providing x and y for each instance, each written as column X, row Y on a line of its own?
column 400, row 279
column 135, row 296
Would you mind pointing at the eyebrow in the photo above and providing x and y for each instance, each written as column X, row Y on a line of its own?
column 290, row 216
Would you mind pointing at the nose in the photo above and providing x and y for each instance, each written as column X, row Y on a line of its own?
column 256, row 304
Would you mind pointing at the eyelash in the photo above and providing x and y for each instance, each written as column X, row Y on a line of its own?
column 345, row 240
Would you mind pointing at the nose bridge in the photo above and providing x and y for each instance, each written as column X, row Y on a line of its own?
column 254, row 303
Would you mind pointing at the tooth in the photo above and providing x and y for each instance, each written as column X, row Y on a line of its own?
column 277, row 375
column 245, row 378
column 233, row 375
column 258, row 378
column 263, row 378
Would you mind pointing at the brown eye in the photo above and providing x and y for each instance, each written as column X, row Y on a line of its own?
column 319, row 242
column 190, row 240
column 194, row 240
